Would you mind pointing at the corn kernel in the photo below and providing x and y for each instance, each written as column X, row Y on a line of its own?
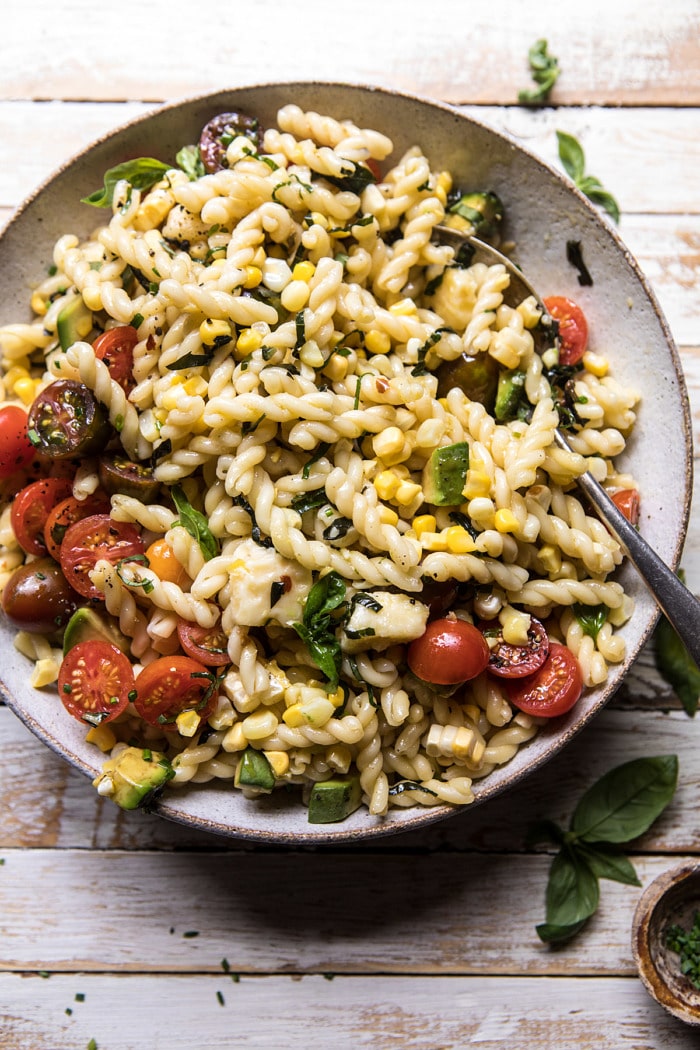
column 433, row 541
column 388, row 443
column 45, row 672
column 103, row 736
column 213, row 332
column 338, row 697
column 424, row 523
column 303, row 271
column 295, row 296
column 478, row 483
column 196, row 386
column 336, row 368
column 260, row 724
column 377, row 342
column 407, row 492
column 550, row 558
column 279, row 762
column 443, row 187
column 311, row 354
column 387, row 516
column 25, row 390
column 253, row 276
column 248, row 341
column 13, row 374
column 403, row 308
column 92, row 297
column 314, row 712
column 234, row 738
column 505, row 520
column 386, row 484
column 187, row 723
column 319, row 219
column 596, row 364
column 38, row 304
column 459, row 541
column 430, row 433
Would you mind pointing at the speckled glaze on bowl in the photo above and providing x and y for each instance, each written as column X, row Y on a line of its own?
column 543, row 212
column 671, row 899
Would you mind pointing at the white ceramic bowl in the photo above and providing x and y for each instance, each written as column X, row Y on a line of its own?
column 543, row 212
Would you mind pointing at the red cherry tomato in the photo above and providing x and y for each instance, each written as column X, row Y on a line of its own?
column 116, row 348
column 171, row 685
column 628, row 503
column 88, row 541
column 66, row 513
column 31, row 508
column 206, row 644
column 16, row 450
column 94, row 681
column 37, row 597
column 450, row 651
column 573, row 328
column 552, row 690
column 515, row 661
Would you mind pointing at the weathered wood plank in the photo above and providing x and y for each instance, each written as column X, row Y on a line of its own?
column 649, row 162
column 607, row 53
column 46, row 803
column 348, row 1013
column 289, row 913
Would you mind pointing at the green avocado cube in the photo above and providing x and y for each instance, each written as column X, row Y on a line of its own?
column 334, row 800
column 445, row 475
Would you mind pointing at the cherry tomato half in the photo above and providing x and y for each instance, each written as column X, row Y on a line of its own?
column 573, row 328
column 31, row 508
column 206, row 644
column 94, row 681
column 116, row 348
column 450, row 651
column 38, row 598
column 516, row 661
column 88, row 541
column 161, row 558
column 552, row 690
column 171, row 685
column 67, row 420
column 628, row 503
column 66, row 513
column 16, row 450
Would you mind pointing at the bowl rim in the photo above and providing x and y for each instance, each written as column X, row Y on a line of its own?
column 651, row 905
column 419, row 816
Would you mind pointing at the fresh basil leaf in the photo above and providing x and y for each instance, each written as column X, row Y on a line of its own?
column 353, row 179
column 626, row 801
column 544, row 69
column 571, row 155
column 189, row 159
column 318, row 628
column 572, row 890
column 326, row 595
column 676, row 665
column 606, row 201
column 544, row 831
column 141, row 173
column 551, row 933
column 325, row 650
column 591, row 618
column 195, row 523
column 606, row 862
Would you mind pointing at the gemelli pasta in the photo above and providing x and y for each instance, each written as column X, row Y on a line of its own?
column 285, row 505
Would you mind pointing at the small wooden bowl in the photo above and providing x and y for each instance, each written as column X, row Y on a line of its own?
column 672, row 898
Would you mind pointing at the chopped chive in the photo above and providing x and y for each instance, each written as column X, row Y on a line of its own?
column 221, row 999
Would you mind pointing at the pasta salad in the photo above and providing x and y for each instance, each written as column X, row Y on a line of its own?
column 281, row 499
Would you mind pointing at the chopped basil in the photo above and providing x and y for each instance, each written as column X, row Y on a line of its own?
column 190, row 160
column 324, row 610
column 318, row 454
column 141, row 173
column 195, row 523
column 304, row 501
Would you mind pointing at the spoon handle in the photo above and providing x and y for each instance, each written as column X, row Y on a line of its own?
column 679, row 605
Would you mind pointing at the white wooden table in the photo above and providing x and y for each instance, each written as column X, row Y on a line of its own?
column 137, row 933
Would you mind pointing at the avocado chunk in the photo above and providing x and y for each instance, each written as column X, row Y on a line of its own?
column 334, row 800
column 254, row 770
column 445, row 475
column 86, row 625
column 138, row 775
column 73, row 323
column 509, row 395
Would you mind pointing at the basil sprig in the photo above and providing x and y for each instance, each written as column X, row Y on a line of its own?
column 544, row 69
column 326, row 598
column 195, row 523
column 675, row 664
column 574, row 160
column 141, row 173
column 619, row 807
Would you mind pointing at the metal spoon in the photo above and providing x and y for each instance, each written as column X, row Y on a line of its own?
column 680, row 606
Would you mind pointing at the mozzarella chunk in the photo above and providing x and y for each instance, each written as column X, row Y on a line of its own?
column 380, row 619
column 265, row 587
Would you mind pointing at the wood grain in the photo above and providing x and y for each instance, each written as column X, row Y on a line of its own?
column 607, row 54
column 347, row 1013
